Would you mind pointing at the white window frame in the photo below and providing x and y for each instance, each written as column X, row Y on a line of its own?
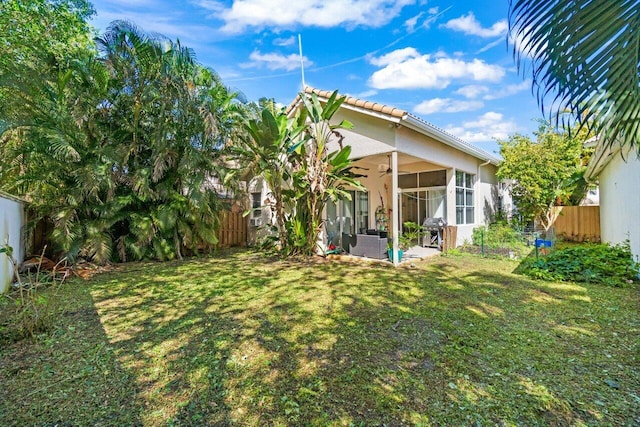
column 256, row 211
column 468, row 192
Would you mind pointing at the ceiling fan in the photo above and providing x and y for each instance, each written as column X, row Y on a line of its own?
column 386, row 169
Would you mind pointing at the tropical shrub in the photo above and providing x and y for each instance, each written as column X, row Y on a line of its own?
column 295, row 156
column 501, row 238
column 545, row 172
column 588, row 262
column 118, row 146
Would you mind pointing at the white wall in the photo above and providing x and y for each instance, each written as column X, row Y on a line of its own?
column 255, row 234
column 11, row 224
column 620, row 202
column 486, row 183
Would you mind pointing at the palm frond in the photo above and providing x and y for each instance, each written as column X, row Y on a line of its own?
column 585, row 54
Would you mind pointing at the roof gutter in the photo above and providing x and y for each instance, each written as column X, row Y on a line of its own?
column 12, row 197
column 599, row 160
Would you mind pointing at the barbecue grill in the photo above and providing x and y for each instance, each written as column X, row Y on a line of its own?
column 433, row 231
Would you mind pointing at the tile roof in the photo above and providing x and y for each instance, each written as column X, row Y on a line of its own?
column 350, row 100
column 361, row 103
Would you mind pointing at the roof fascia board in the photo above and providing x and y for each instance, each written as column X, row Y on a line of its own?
column 11, row 197
column 599, row 160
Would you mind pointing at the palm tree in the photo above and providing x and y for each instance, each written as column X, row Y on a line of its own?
column 174, row 118
column 587, row 54
column 119, row 150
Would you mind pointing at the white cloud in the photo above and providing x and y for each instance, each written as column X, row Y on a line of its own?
column 366, row 94
column 468, row 24
column 210, row 5
column 446, row 105
column 487, row 127
column 285, row 41
column 410, row 24
column 476, row 91
column 275, row 61
column 244, row 14
column 156, row 23
column 408, row 69
column 509, row 90
column 472, row 91
column 394, row 57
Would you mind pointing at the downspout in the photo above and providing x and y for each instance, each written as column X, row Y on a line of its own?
column 479, row 182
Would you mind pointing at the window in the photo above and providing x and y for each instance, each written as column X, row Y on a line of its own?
column 348, row 216
column 464, row 198
column 433, row 179
column 256, row 203
column 361, row 199
column 423, row 179
column 409, row 180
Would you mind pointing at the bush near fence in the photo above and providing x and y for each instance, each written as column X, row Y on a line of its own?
column 500, row 240
column 232, row 232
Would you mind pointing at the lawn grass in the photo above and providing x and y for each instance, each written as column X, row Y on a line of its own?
column 241, row 339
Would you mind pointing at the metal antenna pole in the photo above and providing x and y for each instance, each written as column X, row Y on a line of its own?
column 301, row 61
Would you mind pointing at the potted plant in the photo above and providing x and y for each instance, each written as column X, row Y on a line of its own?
column 405, row 240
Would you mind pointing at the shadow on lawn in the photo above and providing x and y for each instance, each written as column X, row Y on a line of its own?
column 70, row 377
column 244, row 340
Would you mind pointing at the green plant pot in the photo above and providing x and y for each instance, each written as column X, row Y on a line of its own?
column 390, row 254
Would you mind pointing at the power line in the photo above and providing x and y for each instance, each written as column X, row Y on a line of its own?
column 337, row 64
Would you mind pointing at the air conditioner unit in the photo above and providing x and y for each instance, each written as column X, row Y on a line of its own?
column 255, row 222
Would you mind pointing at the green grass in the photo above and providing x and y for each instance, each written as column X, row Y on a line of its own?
column 246, row 340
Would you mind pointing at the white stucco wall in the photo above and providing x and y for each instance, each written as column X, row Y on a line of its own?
column 370, row 135
column 485, row 198
column 620, row 202
column 11, row 225
column 485, row 187
column 256, row 233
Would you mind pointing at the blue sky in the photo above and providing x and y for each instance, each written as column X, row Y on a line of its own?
column 444, row 60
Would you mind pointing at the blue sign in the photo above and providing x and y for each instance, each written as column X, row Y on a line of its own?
column 540, row 243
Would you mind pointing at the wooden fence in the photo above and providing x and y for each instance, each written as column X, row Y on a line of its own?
column 577, row 223
column 232, row 232
column 449, row 236
column 233, row 229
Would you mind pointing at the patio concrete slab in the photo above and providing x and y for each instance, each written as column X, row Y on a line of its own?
column 415, row 253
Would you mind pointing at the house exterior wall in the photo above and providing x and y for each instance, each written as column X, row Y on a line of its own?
column 255, row 233
column 486, row 201
column 485, row 187
column 12, row 221
column 411, row 142
column 620, row 202
column 370, row 135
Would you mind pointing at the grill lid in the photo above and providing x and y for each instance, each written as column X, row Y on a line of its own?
column 434, row 223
